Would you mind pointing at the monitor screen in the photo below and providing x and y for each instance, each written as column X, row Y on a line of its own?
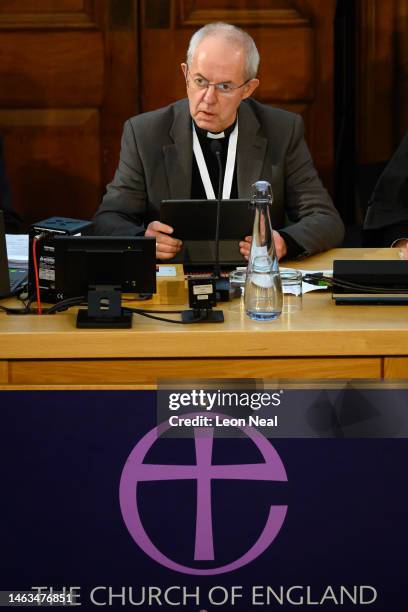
column 84, row 261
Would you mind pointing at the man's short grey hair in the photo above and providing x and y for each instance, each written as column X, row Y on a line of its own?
column 232, row 34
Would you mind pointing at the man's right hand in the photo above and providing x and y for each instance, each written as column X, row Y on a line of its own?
column 166, row 247
column 280, row 245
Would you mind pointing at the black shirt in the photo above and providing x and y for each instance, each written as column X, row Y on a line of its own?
column 197, row 187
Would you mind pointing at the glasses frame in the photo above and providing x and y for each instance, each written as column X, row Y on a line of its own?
column 217, row 86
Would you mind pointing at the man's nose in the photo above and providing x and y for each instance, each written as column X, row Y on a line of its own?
column 210, row 95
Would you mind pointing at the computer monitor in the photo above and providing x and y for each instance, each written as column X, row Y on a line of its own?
column 101, row 268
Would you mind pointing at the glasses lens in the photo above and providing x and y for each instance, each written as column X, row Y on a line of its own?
column 224, row 88
column 200, row 83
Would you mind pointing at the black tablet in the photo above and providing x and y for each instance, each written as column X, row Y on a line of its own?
column 194, row 223
column 196, row 219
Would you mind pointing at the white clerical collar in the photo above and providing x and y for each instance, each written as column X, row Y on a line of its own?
column 215, row 136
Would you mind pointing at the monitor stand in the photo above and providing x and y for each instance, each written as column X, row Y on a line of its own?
column 104, row 309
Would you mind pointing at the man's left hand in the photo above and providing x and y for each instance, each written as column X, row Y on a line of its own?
column 280, row 245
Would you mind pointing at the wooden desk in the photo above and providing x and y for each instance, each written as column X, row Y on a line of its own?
column 321, row 341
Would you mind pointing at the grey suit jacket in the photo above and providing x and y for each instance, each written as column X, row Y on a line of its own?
column 156, row 164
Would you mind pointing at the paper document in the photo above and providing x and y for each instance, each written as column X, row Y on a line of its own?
column 166, row 271
column 17, row 249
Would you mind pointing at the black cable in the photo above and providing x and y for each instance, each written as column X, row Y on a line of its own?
column 80, row 300
column 142, row 297
column 17, row 311
column 143, row 313
column 162, row 311
column 65, row 304
column 314, row 279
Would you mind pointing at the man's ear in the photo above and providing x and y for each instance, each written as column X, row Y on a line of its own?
column 250, row 88
column 184, row 69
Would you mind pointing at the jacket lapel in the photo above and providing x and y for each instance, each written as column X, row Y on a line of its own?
column 251, row 150
column 179, row 156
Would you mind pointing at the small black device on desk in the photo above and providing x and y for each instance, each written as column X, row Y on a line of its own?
column 45, row 232
column 194, row 222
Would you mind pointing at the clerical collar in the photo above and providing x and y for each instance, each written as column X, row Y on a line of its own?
column 215, row 135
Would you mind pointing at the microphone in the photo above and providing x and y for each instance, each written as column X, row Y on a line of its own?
column 216, row 149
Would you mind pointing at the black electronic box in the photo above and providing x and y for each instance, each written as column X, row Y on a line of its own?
column 44, row 232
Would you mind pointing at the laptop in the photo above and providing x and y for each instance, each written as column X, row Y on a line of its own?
column 11, row 278
column 194, row 222
column 370, row 281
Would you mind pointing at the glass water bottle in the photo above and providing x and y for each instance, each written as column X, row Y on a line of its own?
column 263, row 287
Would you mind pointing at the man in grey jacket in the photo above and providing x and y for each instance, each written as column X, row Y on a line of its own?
column 166, row 154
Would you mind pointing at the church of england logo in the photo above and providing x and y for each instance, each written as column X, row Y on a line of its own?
column 204, row 471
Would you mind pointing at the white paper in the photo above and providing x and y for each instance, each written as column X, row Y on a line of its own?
column 307, row 287
column 166, row 271
column 17, row 248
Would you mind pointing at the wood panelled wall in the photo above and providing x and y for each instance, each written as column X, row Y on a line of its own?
column 68, row 80
column 72, row 71
column 382, row 78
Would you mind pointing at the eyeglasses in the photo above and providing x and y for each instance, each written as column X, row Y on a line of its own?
column 226, row 89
